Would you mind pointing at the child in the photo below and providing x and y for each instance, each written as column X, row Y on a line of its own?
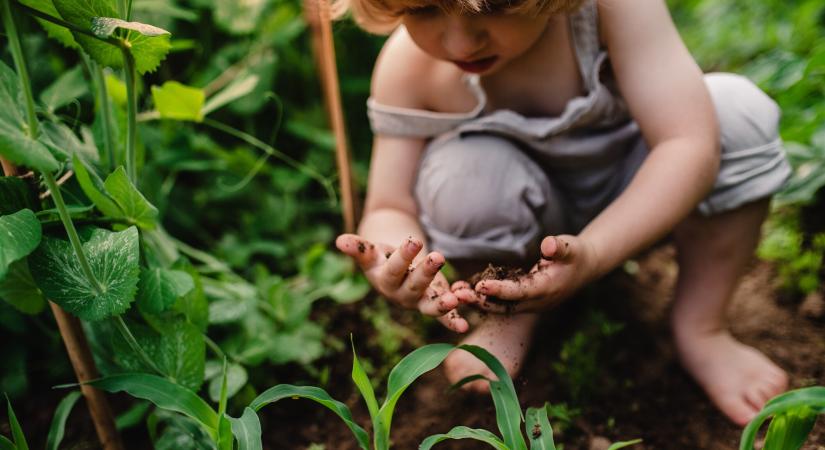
column 567, row 135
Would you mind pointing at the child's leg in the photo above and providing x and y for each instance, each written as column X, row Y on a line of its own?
column 482, row 200
column 712, row 254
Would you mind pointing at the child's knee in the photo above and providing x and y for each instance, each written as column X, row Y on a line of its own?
column 482, row 187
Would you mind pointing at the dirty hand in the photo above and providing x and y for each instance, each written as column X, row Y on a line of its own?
column 567, row 263
column 412, row 283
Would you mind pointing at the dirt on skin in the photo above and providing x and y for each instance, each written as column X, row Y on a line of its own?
column 641, row 392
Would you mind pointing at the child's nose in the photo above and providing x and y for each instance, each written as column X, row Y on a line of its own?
column 462, row 39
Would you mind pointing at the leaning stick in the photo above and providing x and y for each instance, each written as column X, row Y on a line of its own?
column 84, row 366
column 317, row 13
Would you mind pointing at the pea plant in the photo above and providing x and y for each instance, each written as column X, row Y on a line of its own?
column 101, row 253
column 793, row 415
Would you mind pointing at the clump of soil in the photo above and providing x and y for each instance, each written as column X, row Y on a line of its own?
column 496, row 273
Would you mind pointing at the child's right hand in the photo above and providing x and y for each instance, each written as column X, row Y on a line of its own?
column 392, row 273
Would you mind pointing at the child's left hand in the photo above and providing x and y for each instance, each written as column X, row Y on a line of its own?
column 567, row 263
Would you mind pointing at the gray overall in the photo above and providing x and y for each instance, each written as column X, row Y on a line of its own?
column 491, row 186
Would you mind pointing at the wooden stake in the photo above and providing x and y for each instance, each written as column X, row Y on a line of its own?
column 84, row 365
column 318, row 18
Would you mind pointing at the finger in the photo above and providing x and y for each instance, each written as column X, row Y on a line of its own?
column 556, row 248
column 436, row 304
column 530, row 286
column 360, row 249
column 481, row 302
column 395, row 270
column 423, row 274
column 453, row 321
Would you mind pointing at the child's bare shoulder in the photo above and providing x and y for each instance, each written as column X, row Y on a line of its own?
column 406, row 76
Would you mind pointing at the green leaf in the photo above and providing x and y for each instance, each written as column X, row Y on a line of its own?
column 182, row 354
column 61, row 34
column 239, row 17
column 158, row 288
column 136, row 209
column 93, row 187
column 415, row 364
column 20, row 234
column 508, row 409
column 6, row 444
column 623, row 444
column 133, row 416
column 789, row 430
column 247, row 430
column 58, row 427
column 16, row 430
column 19, row 289
column 539, row 431
column 350, row 289
column 113, row 258
column 462, row 432
column 811, row 397
column 363, row 384
column 98, row 16
column 176, row 101
column 63, row 143
column 303, row 344
column 164, row 394
column 236, row 378
column 15, row 195
column 318, row 395
column 234, row 91
column 68, row 87
column 194, row 304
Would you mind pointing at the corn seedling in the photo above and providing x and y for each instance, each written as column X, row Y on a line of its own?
column 508, row 416
column 794, row 415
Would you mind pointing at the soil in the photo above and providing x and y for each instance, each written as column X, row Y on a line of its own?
column 641, row 390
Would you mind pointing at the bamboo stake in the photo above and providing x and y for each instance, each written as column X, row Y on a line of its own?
column 318, row 17
column 84, row 365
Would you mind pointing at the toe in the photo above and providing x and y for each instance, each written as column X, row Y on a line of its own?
column 738, row 409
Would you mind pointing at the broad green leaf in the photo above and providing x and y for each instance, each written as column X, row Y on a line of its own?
column 789, row 430
column 136, row 209
column 623, row 444
column 539, row 431
column 412, row 366
column 16, row 430
column 182, row 354
column 17, row 147
column 363, row 383
column 15, row 195
column 811, row 397
column 462, row 432
column 247, row 430
column 6, row 444
column 63, row 143
column 93, row 187
column 98, row 16
column 58, row 427
column 350, row 289
column 159, row 288
column 303, row 344
column 113, row 258
column 508, row 410
column 68, row 87
column 61, row 34
column 239, row 17
column 164, row 394
column 236, row 378
column 19, row 289
column 179, row 432
column 176, row 101
column 194, row 304
column 318, row 395
column 20, row 234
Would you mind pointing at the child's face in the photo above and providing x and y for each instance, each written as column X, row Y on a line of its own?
column 478, row 43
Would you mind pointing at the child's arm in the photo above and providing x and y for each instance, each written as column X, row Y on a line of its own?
column 665, row 92
column 390, row 213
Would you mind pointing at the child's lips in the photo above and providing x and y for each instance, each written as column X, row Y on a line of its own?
column 477, row 65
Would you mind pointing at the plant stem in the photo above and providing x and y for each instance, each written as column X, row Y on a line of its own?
column 131, row 111
column 72, row 232
column 20, row 65
column 130, row 339
column 269, row 150
column 108, row 127
column 213, row 346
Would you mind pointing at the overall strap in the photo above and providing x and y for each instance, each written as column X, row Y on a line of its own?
column 584, row 25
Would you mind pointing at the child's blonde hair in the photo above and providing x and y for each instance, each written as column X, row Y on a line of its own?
column 382, row 16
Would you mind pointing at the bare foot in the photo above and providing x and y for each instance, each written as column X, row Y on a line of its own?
column 506, row 337
column 738, row 379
